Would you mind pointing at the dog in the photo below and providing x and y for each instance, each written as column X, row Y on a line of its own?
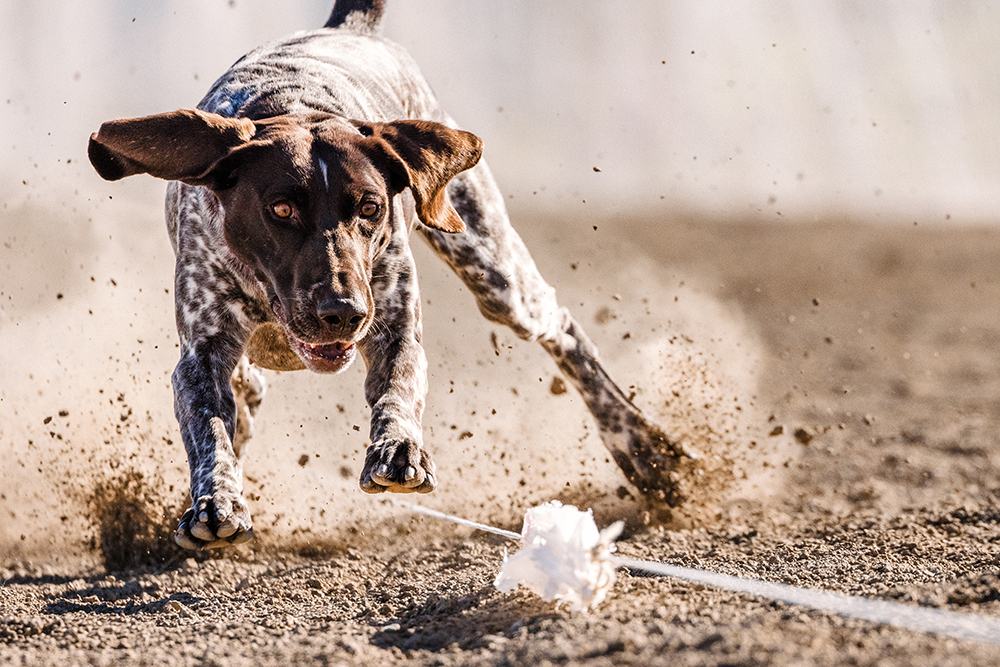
column 294, row 187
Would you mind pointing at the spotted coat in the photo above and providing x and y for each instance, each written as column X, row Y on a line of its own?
column 232, row 319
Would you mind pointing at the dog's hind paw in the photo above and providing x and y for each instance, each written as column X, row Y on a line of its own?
column 398, row 466
column 211, row 523
column 649, row 457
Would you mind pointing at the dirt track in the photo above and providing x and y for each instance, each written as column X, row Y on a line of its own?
column 874, row 353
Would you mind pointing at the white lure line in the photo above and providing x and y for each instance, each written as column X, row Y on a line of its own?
column 420, row 509
column 921, row 619
column 564, row 557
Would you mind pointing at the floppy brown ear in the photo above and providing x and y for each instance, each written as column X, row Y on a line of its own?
column 431, row 155
column 177, row 146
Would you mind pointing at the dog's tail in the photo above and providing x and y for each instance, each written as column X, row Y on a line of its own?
column 360, row 15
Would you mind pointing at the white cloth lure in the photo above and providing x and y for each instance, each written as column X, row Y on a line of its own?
column 563, row 557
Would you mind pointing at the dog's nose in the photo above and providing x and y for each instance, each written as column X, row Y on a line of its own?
column 342, row 316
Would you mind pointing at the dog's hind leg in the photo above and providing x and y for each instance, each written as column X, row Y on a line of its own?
column 493, row 262
column 249, row 387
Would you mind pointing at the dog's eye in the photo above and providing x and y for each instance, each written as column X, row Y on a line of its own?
column 369, row 209
column 282, row 210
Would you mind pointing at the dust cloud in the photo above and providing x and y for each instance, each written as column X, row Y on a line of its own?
column 89, row 350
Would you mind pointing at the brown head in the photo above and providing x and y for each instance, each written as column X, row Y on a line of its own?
column 307, row 202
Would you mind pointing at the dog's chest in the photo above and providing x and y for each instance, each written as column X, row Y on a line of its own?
column 268, row 348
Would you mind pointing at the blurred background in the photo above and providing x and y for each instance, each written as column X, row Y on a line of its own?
column 620, row 133
column 764, row 109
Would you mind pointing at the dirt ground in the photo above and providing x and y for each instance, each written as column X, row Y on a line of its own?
column 850, row 372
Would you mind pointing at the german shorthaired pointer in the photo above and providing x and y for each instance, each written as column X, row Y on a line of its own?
column 294, row 188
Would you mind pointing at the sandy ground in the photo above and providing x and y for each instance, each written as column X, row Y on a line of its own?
column 846, row 375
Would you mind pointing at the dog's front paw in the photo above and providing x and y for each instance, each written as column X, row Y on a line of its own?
column 213, row 522
column 399, row 466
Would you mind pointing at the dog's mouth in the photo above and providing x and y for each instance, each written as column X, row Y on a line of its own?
column 318, row 357
column 324, row 357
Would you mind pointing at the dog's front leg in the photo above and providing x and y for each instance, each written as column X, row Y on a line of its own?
column 397, row 381
column 215, row 318
column 206, row 411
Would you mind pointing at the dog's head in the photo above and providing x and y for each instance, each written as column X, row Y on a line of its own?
column 306, row 200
